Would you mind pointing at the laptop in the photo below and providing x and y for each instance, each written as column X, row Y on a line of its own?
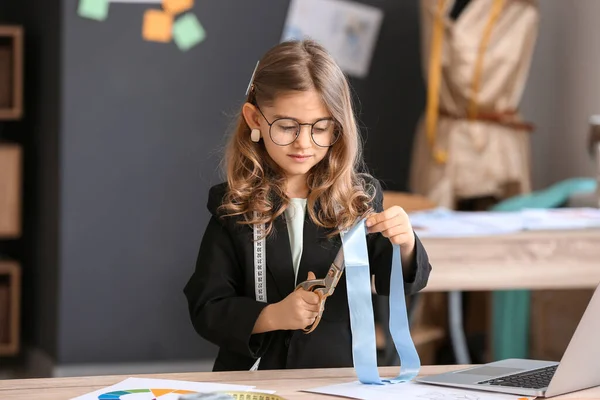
column 578, row 369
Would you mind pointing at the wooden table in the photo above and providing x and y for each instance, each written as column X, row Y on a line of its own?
column 568, row 259
column 287, row 383
column 533, row 260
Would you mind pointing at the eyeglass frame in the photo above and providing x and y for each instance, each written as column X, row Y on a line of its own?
column 312, row 126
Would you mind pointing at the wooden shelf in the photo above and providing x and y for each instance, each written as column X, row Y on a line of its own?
column 408, row 201
column 11, row 72
column 11, row 155
column 10, row 191
column 10, row 311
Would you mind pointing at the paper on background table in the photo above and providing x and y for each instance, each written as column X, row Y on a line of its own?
column 144, row 383
column 442, row 222
column 447, row 223
column 408, row 391
column 561, row 218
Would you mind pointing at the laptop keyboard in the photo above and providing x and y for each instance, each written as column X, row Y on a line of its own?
column 533, row 379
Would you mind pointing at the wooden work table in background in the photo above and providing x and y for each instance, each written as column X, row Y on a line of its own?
column 535, row 260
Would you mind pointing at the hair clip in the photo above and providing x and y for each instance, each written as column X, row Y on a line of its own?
column 251, row 83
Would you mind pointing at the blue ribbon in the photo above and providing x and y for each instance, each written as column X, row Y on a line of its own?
column 358, row 279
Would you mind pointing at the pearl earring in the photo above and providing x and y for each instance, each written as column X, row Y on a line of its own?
column 255, row 135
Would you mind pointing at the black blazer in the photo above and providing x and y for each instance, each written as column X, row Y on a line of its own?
column 222, row 303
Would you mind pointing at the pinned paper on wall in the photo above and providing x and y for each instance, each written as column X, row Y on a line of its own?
column 186, row 31
column 174, row 22
column 347, row 29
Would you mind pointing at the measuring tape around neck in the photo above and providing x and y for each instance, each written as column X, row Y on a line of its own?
column 260, row 261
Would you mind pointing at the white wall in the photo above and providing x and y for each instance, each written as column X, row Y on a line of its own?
column 563, row 89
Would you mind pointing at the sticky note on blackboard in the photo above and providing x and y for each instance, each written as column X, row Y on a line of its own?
column 158, row 26
column 188, row 32
column 93, row 9
column 177, row 6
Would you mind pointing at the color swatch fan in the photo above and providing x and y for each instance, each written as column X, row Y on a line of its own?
column 145, row 394
column 158, row 389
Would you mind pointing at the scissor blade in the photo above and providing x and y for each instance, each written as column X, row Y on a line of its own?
column 339, row 259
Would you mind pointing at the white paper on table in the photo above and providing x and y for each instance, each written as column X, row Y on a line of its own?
column 408, row 391
column 347, row 29
column 561, row 218
column 257, row 390
column 447, row 223
column 145, row 383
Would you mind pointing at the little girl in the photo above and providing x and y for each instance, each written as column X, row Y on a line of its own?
column 293, row 167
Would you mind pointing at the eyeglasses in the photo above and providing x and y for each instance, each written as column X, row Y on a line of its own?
column 285, row 131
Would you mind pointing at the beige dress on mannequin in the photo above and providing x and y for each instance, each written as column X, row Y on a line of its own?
column 471, row 141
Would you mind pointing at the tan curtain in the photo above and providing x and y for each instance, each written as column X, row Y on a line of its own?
column 471, row 141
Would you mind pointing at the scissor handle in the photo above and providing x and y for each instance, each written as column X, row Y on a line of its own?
column 311, row 285
column 322, row 297
column 319, row 287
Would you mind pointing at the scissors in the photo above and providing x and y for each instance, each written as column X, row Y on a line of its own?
column 324, row 287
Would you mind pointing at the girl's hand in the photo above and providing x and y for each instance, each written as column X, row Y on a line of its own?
column 298, row 310
column 394, row 224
